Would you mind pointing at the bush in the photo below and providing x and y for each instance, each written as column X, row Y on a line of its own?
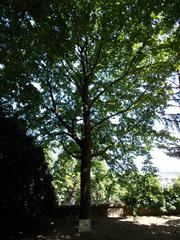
column 172, row 197
column 143, row 191
column 27, row 194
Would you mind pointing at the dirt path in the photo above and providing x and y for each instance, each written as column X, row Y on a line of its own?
column 141, row 228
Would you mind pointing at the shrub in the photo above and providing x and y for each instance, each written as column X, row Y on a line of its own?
column 143, row 191
column 25, row 183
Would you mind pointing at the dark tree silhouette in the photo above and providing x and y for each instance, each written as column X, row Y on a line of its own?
column 27, row 195
column 174, row 152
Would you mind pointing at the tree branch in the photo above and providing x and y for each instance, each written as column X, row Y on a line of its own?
column 70, row 153
column 97, row 57
column 71, row 68
column 111, row 84
column 82, row 60
column 63, row 133
column 70, row 77
column 130, row 107
column 71, row 133
column 100, row 152
column 71, row 130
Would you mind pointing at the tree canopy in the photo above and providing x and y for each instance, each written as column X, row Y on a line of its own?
column 90, row 75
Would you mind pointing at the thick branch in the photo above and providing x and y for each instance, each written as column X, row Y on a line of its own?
column 72, row 69
column 70, row 77
column 51, row 93
column 71, row 131
column 122, row 135
column 135, row 69
column 82, row 60
column 130, row 107
column 55, row 133
column 97, row 57
column 88, row 66
column 111, row 84
column 101, row 152
column 69, row 152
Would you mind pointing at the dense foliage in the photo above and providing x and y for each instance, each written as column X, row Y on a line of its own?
column 90, row 76
column 131, row 188
column 143, row 191
column 106, row 187
column 27, row 195
column 172, row 197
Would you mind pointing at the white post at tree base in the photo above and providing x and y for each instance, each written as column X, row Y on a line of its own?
column 84, row 225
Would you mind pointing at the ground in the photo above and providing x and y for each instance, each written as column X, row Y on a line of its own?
column 128, row 228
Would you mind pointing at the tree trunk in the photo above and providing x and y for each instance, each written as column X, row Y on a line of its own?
column 85, row 198
column 85, row 201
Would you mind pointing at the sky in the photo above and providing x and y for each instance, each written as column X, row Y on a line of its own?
column 159, row 158
column 163, row 162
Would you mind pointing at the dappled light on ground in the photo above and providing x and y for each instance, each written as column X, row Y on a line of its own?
column 127, row 228
column 163, row 220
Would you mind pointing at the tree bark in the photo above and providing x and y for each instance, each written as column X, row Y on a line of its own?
column 85, row 198
column 85, row 201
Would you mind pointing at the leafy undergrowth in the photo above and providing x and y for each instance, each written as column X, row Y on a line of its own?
column 140, row 228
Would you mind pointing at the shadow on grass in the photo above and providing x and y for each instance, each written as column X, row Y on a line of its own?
column 174, row 223
column 105, row 229
column 116, row 229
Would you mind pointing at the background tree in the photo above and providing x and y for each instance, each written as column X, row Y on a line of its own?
column 27, row 195
column 143, row 191
column 66, row 180
column 148, row 167
column 174, row 152
column 171, row 115
column 172, row 197
column 106, row 185
column 176, row 185
column 72, row 68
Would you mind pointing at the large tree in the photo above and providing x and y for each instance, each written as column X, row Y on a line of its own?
column 90, row 75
